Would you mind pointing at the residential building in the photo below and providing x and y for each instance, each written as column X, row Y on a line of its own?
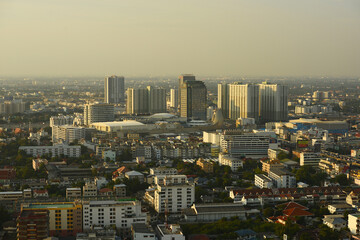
column 141, row 231
column 132, row 175
column 137, row 101
column 193, row 101
column 114, row 89
column 353, row 223
column 7, row 173
column 267, row 165
column 223, row 99
column 163, row 171
column 157, row 99
column 273, row 102
column 65, row 218
column 340, row 208
column 173, row 192
column 33, row 224
column 263, row 181
column 54, row 151
column 73, row 192
column 103, row 234
column 98, row 112
column 61, row 120
column 243, row 101
column 282, row 178
column 335, row 222
column 232, row 162
column 37, row 162
column 206, row 166
column 109, row 155
column 40, row 193
column 67, row 133
column 119, row 213
column 309, row 158
column 120, row 190
column 12, row 106
column 170, row 232
column 174, row 98
column 255, row 144
column 89, row 189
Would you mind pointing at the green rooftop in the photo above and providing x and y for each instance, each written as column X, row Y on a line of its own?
column 58, row 205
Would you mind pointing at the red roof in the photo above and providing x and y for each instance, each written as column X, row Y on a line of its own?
column 40, row 191
column 104, row 190
column 290, row 205
column 296, row 212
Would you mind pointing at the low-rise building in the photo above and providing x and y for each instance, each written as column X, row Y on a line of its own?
column 232, row 162
column 282, row 178
column 335, row 222
column 89, row 189
column 267, row 165
column 132, row 175
column 170, row 232
column 33, row 224
column 206, row 166
column 40, row 193
column 353, row 224
column 309, row 158
column 340, row 208
column 73, row 192
column 163, row 171
column 140, row 231
column 54, row 151
column 263, row 181
column 120, row 190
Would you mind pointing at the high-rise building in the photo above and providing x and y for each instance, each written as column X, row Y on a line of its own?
column 145, row 100
column 137, row 101
column 193, row 100
column 98, row 112
column 223, row 99
column 243, row 101
column 183, row 79
column 273, row 103
column 174, row 98
column 114, row 89
column 67, row 133
column 157, row 99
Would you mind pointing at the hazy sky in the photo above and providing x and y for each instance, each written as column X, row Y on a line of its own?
column 170, row 37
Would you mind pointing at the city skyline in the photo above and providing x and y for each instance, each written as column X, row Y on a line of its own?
column 246, row 38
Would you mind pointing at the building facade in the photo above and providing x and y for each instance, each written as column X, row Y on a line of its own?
column 193, row 102
column 243, row 101
column 98, row 112
column 114, row 89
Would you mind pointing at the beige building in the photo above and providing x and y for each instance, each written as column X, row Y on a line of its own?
column 243, row 101
column 206, row 166
column 73, row 192
column 98, row 112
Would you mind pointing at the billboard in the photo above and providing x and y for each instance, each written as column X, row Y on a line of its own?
column 302, row 143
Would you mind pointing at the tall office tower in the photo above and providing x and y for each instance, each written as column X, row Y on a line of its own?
column 98, row 112
column 273, row 103
column 223, row 99
column 137, row 101
column 193, row 100
column 182, row 79
column 157, row 99
column 114, row 89
column 174, row 98
column 243, row 101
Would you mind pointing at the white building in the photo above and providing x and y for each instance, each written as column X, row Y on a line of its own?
column 121, row 213
column 163, row 171
column 61, row 120
column 73, row 192
column 309, row 158
column 232, row 162
column 335, row 222
column 263, row 181
column 173, row 192
column 109, row 155
column 114, row 89
column 282, row 178
column 53, row 151
column 212, row 137
column 174, row 103
column 171, row 232
column 67, row 133
column 141, row 231
column 353, row 225
column 243, row 101
column 273, row 102
column 255, row 144
column 98, row 112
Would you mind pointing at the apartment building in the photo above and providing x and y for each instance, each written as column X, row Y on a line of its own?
column 309, row 158
column 267, row 165
column 173, row 192
column 163, row 171
column 33, row 225
column 263, row 181
column 282, row 178
column 206, row 166
column 73, row 192
column 232, row 162
column 54, row 151
column 119, row 213
column 353, row 223
column 65, row 218
column 89, row 189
